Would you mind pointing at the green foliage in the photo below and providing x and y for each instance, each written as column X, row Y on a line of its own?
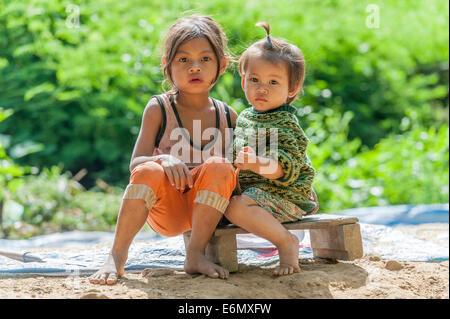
column 10, row 172
column 78, row 86
column 53, row 202
column 73, row 89
column 408, row 168
column 381, row 75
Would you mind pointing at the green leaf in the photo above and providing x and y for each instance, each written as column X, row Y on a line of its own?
column 42, row 88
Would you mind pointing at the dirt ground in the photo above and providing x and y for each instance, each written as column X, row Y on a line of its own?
column 367, row 278
column 370, row 277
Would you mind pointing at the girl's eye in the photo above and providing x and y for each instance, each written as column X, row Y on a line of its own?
column 182, row 59
column 206, row 58
column 273, row 82
column 253, row 80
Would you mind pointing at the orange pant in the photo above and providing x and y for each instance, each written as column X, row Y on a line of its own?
column 170, row 211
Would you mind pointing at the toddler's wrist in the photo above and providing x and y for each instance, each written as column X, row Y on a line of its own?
column 256, row 166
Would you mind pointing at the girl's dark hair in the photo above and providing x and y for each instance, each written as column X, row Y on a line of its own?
column 275, row 50
column 188, row 28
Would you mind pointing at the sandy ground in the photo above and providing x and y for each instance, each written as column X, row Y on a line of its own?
column 367, row 278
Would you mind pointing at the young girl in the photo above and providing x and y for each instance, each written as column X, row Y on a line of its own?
column 174, row 192
column 272, row 72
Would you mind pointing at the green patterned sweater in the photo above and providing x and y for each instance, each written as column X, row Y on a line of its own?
column 296, row 184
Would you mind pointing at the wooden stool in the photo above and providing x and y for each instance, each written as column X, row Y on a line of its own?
column 332, row 236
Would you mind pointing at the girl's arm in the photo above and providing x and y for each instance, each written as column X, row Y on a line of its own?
column 176, row 171
column 145, row 143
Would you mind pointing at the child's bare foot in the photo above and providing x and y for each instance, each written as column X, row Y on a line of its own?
column 198, row 263
column 288, row 253
column 112, row 270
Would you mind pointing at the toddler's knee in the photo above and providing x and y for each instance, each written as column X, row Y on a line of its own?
column 241, row 201
column 237, row 204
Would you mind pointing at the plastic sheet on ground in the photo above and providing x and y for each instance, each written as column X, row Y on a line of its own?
column 80, row 253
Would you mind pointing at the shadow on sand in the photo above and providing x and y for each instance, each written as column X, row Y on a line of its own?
column 251, row 282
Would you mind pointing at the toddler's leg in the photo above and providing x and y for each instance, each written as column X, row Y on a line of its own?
column 245, row 212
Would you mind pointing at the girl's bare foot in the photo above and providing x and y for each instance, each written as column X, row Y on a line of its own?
column 112, row 270
column 198, row 263
column 288, row 253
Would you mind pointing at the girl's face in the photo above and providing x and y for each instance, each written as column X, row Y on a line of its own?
column 194, row 66
column 266, row 84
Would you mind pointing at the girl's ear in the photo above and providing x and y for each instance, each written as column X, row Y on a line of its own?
column 223, row 65
column 163, row 61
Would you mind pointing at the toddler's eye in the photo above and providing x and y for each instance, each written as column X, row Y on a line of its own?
column 253, row 80
column 182, row 59
column 273, row 82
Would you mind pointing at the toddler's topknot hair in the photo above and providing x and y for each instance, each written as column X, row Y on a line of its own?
column 266, row 26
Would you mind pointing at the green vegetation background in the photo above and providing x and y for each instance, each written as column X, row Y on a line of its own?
column 72, row 92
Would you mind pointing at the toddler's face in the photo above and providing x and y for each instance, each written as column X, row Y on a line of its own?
column 266, row 84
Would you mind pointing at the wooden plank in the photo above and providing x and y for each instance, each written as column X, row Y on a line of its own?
column 340, row 242
column 317, row 221
column 223, row 251
column 332, row 236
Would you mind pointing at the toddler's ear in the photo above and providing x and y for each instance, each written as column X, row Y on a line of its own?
column 294, row 91
column 243, row 81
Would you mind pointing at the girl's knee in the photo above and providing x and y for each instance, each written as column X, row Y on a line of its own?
column 219, row 167
column 147, row 173
column 217, row 159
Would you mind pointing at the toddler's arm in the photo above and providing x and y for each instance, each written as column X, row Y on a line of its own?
column 264, row 166
column 291, row 152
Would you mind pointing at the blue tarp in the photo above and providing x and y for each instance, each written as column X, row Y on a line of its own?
column 84, row 252
column 400, row 214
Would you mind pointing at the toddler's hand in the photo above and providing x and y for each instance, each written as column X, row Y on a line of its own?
column 177, row 172
column 246, row 158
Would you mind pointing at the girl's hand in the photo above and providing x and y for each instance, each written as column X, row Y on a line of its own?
column 177, row 172
column 246, row 159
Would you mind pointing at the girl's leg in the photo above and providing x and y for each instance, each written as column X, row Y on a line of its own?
column 214, row 182
column 132, row 217
column 171, row 214
column 245, row 212
column 149, row 190
column 204, row 222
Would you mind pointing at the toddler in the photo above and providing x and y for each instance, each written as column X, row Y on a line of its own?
column 276, row 183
